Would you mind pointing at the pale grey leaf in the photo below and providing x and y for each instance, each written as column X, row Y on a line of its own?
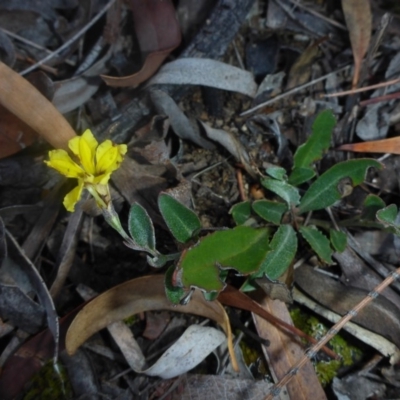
column 206, row 72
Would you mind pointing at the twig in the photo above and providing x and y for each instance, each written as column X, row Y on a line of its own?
column 33, row 44
column 363, row 89
column 374, row 100
column 317, row 14
column 70, row 41
column 292, row 91
column 239, row 177
column 275, row 390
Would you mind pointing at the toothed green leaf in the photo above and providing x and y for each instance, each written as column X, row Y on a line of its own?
column 287, row 192
column 318, row 242
column 331, row 186
column 271, row 211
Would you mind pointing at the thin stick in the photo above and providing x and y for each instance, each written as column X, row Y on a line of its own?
column 292, row 91
column 70, row 41
column 374, row 100
column 363, row 89
column 317, row 14
column 239, row 177
column 33, row 44
column 275, row 390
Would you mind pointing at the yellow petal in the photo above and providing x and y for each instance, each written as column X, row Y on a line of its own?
column 73, row 144
column 62, row 162
column 86, row 156
column 102, row 179
column 73, row 197
column 109, row 156
column 84, row 147
column 91, row 141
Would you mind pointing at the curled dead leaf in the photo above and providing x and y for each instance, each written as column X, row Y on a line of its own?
column 135, row 296
column 158, row 34
column 28, row 104
column 357, row 14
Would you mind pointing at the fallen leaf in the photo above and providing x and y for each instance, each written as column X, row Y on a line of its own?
column 19, row 97
column 155, row 324
column 181, row 124
column 157, row 32
column 231, row 143
column 135, row 296
column 212, row 387
column 301, row 70
column 196, row 343
column 72, row 93
column 121, row 334
column 284, row 352
column 17, row 254
column 357, row 14
column 391, row 146
column 16, row 135
column 206, row 72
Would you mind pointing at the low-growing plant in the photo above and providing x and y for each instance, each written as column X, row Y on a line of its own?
column 263, row 249
column 264, row 243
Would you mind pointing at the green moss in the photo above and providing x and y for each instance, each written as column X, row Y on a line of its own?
column 50, row 383
column 131, row 320
column 250, row 354
column 326, row 370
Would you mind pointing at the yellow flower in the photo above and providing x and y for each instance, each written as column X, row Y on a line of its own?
column 91, row 163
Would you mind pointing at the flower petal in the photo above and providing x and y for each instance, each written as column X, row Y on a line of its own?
column 109, row 156
column 73, row 197
column 102, row 179
column 62, row 162
column 84, row 147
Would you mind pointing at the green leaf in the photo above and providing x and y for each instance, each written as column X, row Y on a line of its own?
column 173, row 292
column 331, row 185
column 388, row 214
column 241, row 212
column 141, row 227
column 318, row 142
column 387, row 217
column 287, row 192
column 271, row 211
column 277, row 173
column 372, row 204
column 338, row 240
column 284, row 247
column 181, row 221
column 241, row 248
column 300, row 175
column 318, row 242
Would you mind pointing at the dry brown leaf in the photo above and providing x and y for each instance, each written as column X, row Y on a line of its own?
column 158, row 33
column 357, row 14
column 391, row 146
column 15, row 135
column 28, row 104
column 135, row 296
column 284, row 352
column 301, row 70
